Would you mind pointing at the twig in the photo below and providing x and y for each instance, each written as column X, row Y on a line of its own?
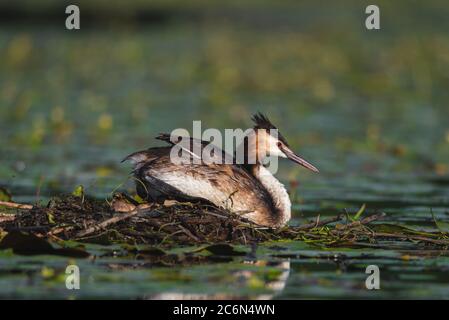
column 215, row 215
column 58, row 230
column 28, row 228
column 412, row 237
column 363, row 221
column 16, row 205
column 7, row 217
column 105, row 223
column 190, row 234
column 170, row 235
column 373, row 218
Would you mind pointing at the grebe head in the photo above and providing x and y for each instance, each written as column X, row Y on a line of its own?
column 266, row 140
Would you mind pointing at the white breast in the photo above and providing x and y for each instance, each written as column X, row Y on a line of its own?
column 280, row 197
column 193, row 187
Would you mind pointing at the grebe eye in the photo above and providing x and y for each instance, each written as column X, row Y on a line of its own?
column 279, row 144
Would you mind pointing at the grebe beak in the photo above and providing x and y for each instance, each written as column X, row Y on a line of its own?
column 295, row 158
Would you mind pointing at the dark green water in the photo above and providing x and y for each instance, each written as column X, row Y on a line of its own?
column 370, row 109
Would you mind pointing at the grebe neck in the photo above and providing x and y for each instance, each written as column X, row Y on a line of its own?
column 277, row 191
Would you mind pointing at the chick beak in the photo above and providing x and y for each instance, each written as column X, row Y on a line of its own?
column 295, row 158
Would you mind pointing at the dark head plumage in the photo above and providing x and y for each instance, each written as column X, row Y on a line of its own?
column 262, row 122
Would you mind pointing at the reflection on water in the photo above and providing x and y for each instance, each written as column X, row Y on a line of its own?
column 273, row 284
column 285, row 270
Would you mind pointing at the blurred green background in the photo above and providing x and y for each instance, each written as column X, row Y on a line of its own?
column 352, row 101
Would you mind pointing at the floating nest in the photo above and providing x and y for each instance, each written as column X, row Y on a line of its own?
column 123, row 220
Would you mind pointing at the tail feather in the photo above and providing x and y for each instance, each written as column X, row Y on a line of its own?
column 136, row 157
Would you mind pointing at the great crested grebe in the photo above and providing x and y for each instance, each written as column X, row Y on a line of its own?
column 248, row 189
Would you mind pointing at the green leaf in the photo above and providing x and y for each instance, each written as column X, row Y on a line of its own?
column 79, row 191
column 51, row 218
column 441, row 226
column 29, row 244
column 138, row 199
column 359, row 213
column 392, row 228
column 223, row 250
column 5, row 195
column 398, row 229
